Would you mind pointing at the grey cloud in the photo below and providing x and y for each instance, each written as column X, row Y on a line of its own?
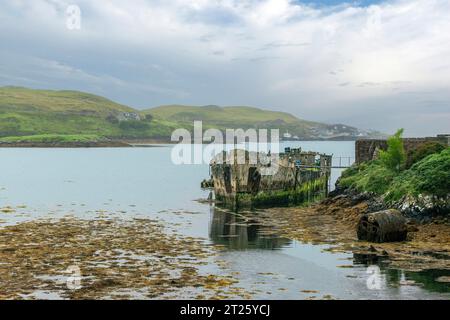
column 211, row 15
column 218, row 53
column 275, row 45
column 148, row 53
column 369, row 84
column 264, row 58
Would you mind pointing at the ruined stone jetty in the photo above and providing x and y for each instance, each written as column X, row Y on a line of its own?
column 245, row 179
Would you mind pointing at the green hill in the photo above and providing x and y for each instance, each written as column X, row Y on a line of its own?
column 249, row 117
column 47, row 114
column 26, row 112
column 216, row 114
column 19, row 99
column 231, row 117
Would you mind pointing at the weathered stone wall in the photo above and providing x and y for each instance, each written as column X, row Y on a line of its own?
column 365, row 149
column 238, row 185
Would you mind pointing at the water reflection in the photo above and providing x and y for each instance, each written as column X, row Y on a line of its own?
column 368, row 259
column 239, row 233
column 427, row 279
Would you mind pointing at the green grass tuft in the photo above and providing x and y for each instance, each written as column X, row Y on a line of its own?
column 369, row 177
column 429, row 176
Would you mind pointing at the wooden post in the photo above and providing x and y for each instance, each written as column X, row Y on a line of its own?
column 235, row 175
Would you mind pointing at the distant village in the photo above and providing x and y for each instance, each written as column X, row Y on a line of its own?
column 126, row 116
column 336, row 131
column 331, row 132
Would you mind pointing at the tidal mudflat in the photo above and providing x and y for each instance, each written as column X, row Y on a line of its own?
column 72, row 258
column 333, row 222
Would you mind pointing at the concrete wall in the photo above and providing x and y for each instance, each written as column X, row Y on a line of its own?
column 365, row 149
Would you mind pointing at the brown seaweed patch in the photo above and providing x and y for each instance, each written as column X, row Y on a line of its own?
column 116, row 259
column 7, row 210
column 443, row 279
column 333, row 222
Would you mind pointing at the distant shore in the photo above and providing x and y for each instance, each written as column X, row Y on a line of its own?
column 75, row 144
column 109, row 143
column 77, row 141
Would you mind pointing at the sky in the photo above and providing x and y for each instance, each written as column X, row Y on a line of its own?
column 376, row 65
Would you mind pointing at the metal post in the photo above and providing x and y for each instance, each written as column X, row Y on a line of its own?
column 296, row 176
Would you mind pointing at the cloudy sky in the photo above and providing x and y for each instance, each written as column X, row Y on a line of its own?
column 372, row 64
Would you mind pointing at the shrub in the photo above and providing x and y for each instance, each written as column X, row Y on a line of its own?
column 429, row 176
column 394, row 157
column 133, row 125
column 371, row 177
column 112, row 119
column 423, row 151
column 9, row 126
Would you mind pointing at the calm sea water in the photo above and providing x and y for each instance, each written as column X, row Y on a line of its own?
column 143, row 182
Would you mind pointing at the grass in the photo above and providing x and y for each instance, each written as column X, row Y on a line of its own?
column 429, row 176
column 368, row 177
column 183, row 113
column 45, row 138
column 27, row 112
column 234, row 118
column 30, row 100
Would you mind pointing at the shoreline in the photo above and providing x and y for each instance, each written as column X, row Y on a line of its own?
column 333, row 222
column 122, row 143
column 44, row 145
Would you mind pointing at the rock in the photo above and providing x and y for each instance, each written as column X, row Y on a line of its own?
column 360, row 197
column 424, row 206
column 412, row 228
column 443, row 279
column 341, row 196
column 206, row 184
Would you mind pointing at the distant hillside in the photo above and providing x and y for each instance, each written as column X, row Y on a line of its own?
column 18, row 99
column 216, row 114
column 46, row 113
column 249, row 117
column 26, row 112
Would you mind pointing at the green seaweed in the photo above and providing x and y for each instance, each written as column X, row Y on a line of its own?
column 305, row 193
